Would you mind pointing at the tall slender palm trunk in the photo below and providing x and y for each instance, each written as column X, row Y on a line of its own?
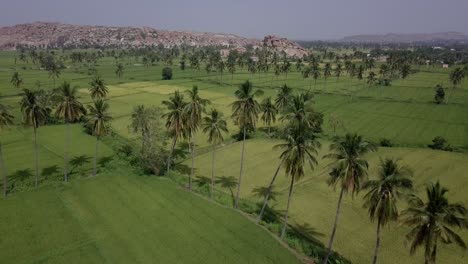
column 377, row 243
column 2, row 164
column 67, row 139
column 95, row 156
column 212, row 172
column 192, row 172
column 35, row 157
column 236, row 205
column 330, row 244
column 267, row 196
column 283, row 231
column 169, row 159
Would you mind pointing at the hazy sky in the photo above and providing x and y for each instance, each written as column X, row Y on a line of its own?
column 296, row 19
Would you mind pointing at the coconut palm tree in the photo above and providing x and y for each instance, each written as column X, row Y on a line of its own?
column 245, row 112
column 327, row 72
column 34, row 114
column 456, row 76
column 371, row 79
column 269, row 112
column 16, row 80
column 299, row 150
column 283, row 97
column 214, row 125
column 338, row 71
column 70, row 110
column 99, row 118
column 54, row 72
column 194, row 110
column 6, row 119
column 119, row 71
column 433, row 221
column 315, row 74
column 349, row 171
column 97, row 88
column 392, row 183
column 176, row 121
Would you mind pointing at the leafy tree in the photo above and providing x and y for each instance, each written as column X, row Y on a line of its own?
column 194, row 109
column 99, row 118
column 439, row 94
column 371, row 79
column 405, row 70
column 432, row 221
column 6, row 119
column 167, row 73
column 348, row 172
column 360, row 72
column 16, row 80
column 381, row 200
column 70, row 110
column 119, row 71
column 440, row 143
column 456, row 76
column 98, row 89
column 34, row 114
column 269, row 112
column 214, row 125
column 176, row 121
column 245, row 112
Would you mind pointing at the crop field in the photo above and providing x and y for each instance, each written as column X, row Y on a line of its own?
column 126, row 219
column 403, row 113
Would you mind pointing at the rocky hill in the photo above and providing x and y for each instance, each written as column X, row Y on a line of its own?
column 57, row 35
column 406, row 38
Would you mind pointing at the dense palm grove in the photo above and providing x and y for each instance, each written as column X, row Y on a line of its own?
column 432, row 219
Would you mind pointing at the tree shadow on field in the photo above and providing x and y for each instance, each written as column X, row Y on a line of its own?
column 227, row 182
column 79, row 161
column 49, row 171
column 308, row 232
column 262, row 191
column 202, row 181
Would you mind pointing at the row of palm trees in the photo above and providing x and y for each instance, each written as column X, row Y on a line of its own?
column 36, row 106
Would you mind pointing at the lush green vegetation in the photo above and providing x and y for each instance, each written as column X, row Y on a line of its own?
column 394, row 106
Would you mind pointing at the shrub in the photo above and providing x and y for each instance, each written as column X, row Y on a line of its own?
column 386, row 142
column 440, row 143
column 167, row 73
column 439, row 95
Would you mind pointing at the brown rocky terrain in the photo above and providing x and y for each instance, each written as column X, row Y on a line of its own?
column 57, row 35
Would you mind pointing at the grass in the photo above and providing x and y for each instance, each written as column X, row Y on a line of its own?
column 314, row 202
column 118, row 218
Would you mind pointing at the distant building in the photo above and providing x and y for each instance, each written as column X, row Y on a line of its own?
column 445, row 66
column 224, row 53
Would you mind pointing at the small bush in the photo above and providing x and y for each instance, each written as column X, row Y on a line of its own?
column 440, row 143
column 439, row 95
column 167, row 73
column 386, row 143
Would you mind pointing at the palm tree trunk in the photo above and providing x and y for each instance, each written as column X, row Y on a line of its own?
column 265, row 201
column 170, row 153
column 35, row 157
column 236, row 205
column 192, row 172
column 212, row 172
column 67, row 139
column 2, row 164
column 338, row 209
column 377, row 244
column 95, row 156
column 283, row 232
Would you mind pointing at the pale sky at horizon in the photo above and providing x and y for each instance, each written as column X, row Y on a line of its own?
column 295, row 19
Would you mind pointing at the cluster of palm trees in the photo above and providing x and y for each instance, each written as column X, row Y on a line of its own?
column 37, row 107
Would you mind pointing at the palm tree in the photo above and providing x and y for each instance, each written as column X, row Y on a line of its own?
column 269, row 112
column 221, row 67
column 16, row 80
column 283, row 97
column 34, row 114
column 98, row 89
column 432, row 221
column 299, row 150
column 194, row 110
column 214, row 125
column 6, row 119
column 327, row 73
column 176, row 121
column 371, row 79
column 69, row 109
column 381, row 199
column 348, row 172
column 456, row 76
column 245, row 112
column 54, row 72
column 99, row 118
column 119, row 71
column 338, row 71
